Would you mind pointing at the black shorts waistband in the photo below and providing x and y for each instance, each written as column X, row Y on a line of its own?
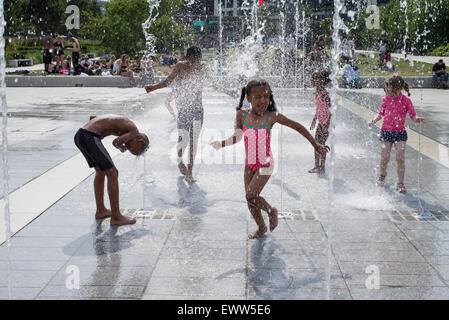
column 89, row 132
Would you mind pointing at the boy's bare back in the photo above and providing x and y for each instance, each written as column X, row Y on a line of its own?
column 110, row 124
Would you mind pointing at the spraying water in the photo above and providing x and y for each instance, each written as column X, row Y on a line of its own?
column 150, row 51
column 338, row 25
column 5, row 143
column 149, row 38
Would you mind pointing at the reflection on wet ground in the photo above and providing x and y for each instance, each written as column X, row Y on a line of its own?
column 202, row 251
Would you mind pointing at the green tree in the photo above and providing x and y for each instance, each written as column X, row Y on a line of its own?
column 23, row 16
column 120, row 29
column 423, row 22
column 34, row 15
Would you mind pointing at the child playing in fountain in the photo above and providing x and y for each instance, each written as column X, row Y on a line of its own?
column 190, row 76
column 395, row 106
column 320, row 79
column 255, row 125
column 88, row 140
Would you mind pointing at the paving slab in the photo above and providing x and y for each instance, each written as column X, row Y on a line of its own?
column 194, row 244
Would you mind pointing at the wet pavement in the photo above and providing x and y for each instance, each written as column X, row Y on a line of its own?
column 190, row 241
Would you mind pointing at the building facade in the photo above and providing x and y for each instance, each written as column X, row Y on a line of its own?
column 235, row 15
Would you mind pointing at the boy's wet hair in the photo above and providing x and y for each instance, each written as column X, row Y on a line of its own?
column 257, row 82
column 397, row 83
column 324, row 76
column 194, row 52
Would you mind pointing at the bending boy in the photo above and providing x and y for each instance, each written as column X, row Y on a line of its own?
column 88, row 140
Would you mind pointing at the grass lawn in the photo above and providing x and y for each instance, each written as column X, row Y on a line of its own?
column 402, row 67
column 366, row 66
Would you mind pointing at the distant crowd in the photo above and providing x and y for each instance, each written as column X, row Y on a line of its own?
column 140, row 71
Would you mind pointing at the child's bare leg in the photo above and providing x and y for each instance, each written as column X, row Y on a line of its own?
column 257, row 216
column 253, row 190
column 193, row 138
column 385, row 156
column 320, row 137
column 113, row 191
column 169, row 107
column 181, row 147
column 400, row 158
column 189, row 175
column 182, row 167
column 102, row 212
column 255, row 212
column 324, row 134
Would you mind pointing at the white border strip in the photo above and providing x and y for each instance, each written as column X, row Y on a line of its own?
column 35, row 197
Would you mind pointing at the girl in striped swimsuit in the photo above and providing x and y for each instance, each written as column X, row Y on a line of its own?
column 255, row 126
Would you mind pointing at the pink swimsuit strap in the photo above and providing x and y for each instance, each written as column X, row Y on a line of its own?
column 257, row 146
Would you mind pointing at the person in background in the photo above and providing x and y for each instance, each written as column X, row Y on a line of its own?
column 59, row 53
column 346, row 46
column 116, row 66
column 125, row 69
column 351, row 75
column 111, row 63
column 382, row 53
column 67, row 65
column 85, row 62
column 137, row 66
column 440, row 75
column 47, row 50
column 75, row 51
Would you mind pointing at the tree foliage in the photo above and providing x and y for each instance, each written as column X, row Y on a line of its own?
column 24, row 16
column 120, row 29
column 423, row 22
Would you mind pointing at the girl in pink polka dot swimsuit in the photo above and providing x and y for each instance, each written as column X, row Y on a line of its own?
column 255, row 125
column 394, row 109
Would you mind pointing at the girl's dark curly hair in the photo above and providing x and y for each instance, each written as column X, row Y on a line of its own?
column 324, row 76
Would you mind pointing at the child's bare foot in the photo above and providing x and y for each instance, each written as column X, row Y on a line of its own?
column 189, row 178
column 273, row 217
column 381, row 181
column 100, row 214
column 182, row 168
column 315, row 170
column 121, row 220
column 258, row 233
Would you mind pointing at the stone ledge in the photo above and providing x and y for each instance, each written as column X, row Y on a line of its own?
column 123, row 82
column 67, row 81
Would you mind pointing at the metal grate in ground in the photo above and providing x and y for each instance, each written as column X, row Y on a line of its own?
column 410, row 215
column 153, row 213
column 297, row 214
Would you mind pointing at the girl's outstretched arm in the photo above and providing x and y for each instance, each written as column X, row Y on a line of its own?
column 372, row 122
column 283, row 120
column 419, row 119
column 237, row 135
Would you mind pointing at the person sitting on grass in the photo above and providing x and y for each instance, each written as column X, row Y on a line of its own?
column 125, row 69
column 351, row 75
column 88, row 140
column 67, row 65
